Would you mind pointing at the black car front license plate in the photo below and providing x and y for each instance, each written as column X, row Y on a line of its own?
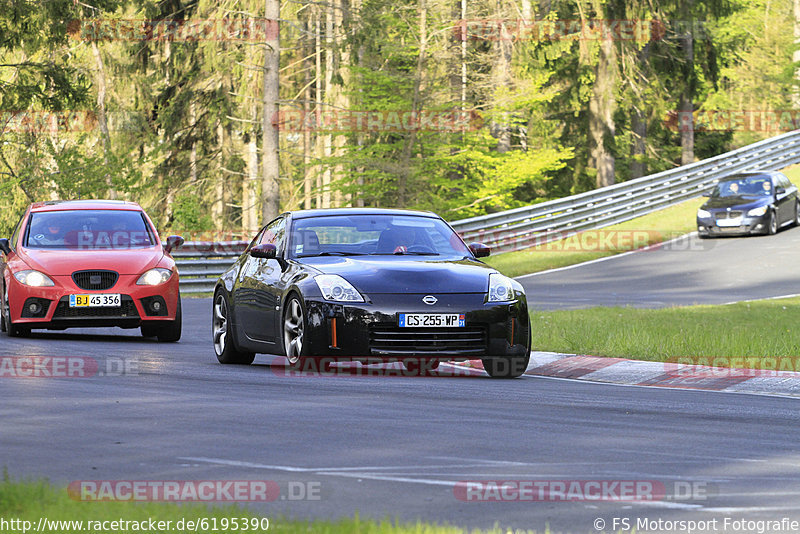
column 431, row 320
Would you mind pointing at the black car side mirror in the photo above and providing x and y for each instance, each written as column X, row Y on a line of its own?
column 5, row 246
column 173, row 241
column 267, row 251
column 479, row 250
column 707, row 194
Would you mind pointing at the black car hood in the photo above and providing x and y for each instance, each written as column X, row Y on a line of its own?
column 738, row 202
column 397, row 274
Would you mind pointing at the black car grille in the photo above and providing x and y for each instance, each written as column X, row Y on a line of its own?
column 722, row 215
column 389, row 339
column 95, row 280
column 127, row 310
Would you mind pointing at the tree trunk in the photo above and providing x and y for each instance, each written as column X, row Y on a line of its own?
column 327, row 139
column 411, row 139
column 796, row 56
column 602, row 105
column 218, row 204
column 685, row 115
column 340, row 99
column 318, row 103
column 308, row 174
column 102, row 118
column 249, row 194
column 639, row 122
column 501, row 79
column 270, row 189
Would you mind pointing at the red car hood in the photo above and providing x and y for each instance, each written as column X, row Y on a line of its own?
column 65, row 262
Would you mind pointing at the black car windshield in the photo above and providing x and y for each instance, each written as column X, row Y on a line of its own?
column 752, row 186
column 89, row 230
column 361, row 235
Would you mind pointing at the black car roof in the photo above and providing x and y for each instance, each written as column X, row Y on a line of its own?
column 303, row 214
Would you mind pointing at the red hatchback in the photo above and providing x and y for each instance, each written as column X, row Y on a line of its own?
column 88, row 263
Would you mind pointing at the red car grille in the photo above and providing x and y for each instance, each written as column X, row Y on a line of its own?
column 95, row 280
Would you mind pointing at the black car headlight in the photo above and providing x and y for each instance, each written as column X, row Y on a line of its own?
column 500, row 288
column 336, row 288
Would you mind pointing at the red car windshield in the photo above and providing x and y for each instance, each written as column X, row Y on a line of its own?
column 89, row 230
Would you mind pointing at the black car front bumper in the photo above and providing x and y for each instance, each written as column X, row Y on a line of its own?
column 371, row 331
column 709, row 226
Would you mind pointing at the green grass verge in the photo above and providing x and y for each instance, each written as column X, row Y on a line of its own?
column 32, row 500
column 660, row 226
column 758, row 329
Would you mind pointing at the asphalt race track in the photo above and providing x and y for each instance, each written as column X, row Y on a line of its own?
column 687, row 271
column 395, row 446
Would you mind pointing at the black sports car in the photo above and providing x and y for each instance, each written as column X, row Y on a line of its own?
column 369, row 285
column 749, row 203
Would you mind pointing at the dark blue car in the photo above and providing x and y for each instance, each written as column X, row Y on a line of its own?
column 749, row 203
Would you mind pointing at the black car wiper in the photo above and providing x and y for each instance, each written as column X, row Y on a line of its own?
column 404, row 253
column 332, row 253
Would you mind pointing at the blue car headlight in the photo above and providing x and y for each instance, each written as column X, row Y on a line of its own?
column 703, row 214
column 757, row 212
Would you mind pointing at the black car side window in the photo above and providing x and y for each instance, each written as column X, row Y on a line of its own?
column 275, row 234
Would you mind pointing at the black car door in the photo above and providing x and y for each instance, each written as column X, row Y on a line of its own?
column 260, row 288
column 785, row 201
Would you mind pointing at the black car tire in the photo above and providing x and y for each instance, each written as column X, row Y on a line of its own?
column 772, row 225
column 10, row 328
column 224, row 344
column 509, row 366
column 797, row 214
column 172, row 331
column 149, row 330
column 294, row 326
column 3, row 327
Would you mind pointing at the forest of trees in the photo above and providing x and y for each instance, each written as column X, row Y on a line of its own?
column 216, row 115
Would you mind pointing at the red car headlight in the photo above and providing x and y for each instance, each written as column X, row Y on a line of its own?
column 33, row 278
column 154, row 277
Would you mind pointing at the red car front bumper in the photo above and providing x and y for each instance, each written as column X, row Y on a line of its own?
column 49, row 307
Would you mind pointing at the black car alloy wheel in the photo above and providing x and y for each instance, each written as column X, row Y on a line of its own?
column 224, row 346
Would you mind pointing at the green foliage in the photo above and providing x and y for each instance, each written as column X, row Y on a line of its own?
column 189, row 215
column 183, row 112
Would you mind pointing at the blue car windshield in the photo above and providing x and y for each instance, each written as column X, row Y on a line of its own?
column 752, row 187
column 89, row 230
column 374, row 235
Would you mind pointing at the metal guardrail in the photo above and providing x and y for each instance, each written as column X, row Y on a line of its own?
column 556, row 219
column 201, row 263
